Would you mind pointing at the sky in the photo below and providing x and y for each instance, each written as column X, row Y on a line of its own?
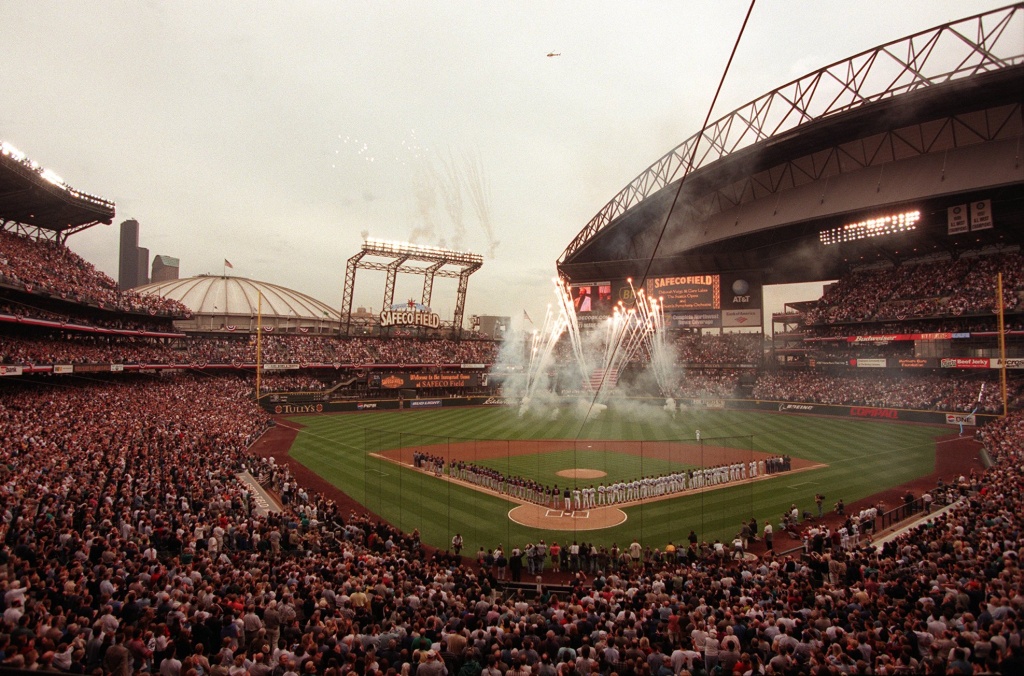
column 278, row 135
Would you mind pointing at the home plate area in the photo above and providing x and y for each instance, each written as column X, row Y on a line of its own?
column 558, row 513
column 539, row 516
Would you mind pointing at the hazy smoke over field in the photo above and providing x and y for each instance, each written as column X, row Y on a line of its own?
column 555, row 370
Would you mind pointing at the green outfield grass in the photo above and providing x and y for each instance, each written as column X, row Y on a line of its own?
column 863, row 457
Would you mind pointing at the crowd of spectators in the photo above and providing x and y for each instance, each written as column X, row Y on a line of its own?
column 45, row 267
column 724, row 348
column 85, row 348
column 691, row 350
column 69, row 346
column 75, row 318
column 129, row 547
column 292, row 349
column 965, row 286
column 292, row 382
column 703, row 383
column 930, row 392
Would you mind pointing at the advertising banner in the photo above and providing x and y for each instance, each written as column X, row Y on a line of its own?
column 687, row 292
column 815, row 362
column 872, row 412
column 796, row 408
column 961, row 419
column 965, row 362
column 741, row 318
column 890, row 337
column 869, row 363
column 425, row 403
column 696, row 320
column 63, row 368
column 92, row 368
column 623, row 292
column 500, row 401
column 397, row 381
column 914, row 363
column 9, row 370
column 741, row 291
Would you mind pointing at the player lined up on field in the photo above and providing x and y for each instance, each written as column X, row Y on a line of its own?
column 590, row 497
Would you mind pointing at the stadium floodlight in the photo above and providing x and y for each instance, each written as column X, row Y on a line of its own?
column 8, row 150
column 52, row 177
column 872, row 227
column 387, row 247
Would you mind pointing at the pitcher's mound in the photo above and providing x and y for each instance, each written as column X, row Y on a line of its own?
column 581, row 473
column 548, row 518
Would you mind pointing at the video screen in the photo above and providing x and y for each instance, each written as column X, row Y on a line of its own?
column 592, row 297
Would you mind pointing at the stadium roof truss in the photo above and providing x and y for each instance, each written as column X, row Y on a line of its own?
column 398, row 254
column 37, row 203
column 982, row 44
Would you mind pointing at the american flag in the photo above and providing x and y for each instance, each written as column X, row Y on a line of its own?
column 605, row 377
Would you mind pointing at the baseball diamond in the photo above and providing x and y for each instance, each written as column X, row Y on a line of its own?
column 846, row 459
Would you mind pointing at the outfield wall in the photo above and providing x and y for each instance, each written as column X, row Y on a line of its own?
column 284, row 405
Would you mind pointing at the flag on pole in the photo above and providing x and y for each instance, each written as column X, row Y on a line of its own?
column 228, row 264
column 527, row 318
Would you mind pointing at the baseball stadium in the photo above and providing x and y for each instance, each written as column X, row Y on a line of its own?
column 665, row 476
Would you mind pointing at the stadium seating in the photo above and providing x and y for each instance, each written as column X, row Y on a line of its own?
column 42, row 267
column 129, row 545
column 928, row 392
column 962, row 287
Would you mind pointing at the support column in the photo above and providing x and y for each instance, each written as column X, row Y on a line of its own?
column 428, row 281
column 460, row 300
column 345, row 325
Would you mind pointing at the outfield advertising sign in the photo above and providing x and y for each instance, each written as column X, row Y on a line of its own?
column 425, row 403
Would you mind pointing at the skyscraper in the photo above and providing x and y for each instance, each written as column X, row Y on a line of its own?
column 128, row 255
column 143, row 277
column 165, row 269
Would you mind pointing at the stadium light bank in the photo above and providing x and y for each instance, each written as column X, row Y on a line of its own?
column 386, row 247
column 8, row 150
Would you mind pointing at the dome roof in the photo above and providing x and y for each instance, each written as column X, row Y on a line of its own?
column 226, row 296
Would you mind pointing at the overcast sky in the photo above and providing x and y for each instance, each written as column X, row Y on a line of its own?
column 277, row 134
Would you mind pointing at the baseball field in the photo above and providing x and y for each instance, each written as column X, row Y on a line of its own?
column 369, row 457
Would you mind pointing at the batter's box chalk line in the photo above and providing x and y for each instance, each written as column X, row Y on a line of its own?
column 560, row 514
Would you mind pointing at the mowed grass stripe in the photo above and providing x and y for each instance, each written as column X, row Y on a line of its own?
column 865, row 457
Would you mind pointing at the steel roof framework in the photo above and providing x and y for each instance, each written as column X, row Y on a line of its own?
column 947, row 133
column 973, row 46
column 398, row 255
